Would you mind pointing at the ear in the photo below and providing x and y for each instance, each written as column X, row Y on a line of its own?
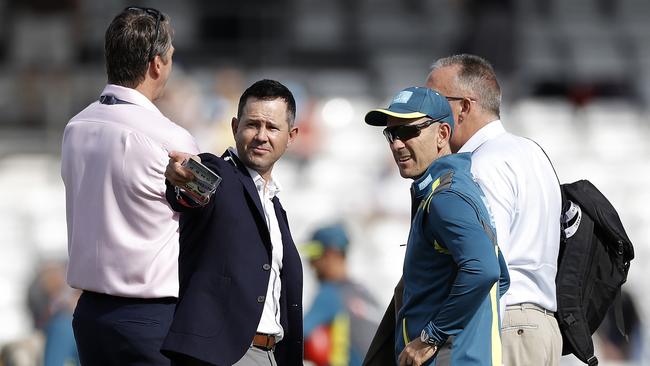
column 444, row 133
column 234, row 124
column 293, row 133
column 155, row 67
column 465, row 109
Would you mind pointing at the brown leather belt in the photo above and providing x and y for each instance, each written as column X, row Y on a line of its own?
column 264, row 341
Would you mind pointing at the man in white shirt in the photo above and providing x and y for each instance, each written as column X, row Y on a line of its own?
column 524, row 197
column 122, row 234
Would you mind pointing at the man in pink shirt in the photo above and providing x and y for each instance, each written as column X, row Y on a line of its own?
column 122, row 234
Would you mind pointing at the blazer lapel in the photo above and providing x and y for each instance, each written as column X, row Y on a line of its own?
column 247, row 181
column 282, row 222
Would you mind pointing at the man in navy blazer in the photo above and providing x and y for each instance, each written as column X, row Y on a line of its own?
column 240, row 300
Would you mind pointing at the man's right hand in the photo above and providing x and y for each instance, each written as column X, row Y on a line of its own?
column 175, row 172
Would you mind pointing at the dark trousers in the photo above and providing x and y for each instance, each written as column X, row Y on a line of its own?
column 119, row 331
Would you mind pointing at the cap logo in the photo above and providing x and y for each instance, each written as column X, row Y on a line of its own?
column 403, row 97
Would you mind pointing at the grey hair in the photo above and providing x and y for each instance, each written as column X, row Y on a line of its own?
column 476, row 76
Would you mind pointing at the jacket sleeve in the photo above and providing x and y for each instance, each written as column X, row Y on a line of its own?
column 455, row 222
column 181, row 202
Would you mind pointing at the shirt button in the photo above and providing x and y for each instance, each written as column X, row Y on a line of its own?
column 266, row 267
column 261, row 298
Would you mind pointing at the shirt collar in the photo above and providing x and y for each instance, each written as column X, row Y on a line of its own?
column 130, row 95
column 272, row 185
column 487, row 132
column 439, row 167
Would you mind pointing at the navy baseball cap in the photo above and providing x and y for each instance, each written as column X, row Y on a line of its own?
column 331, row 236
column 414, row 102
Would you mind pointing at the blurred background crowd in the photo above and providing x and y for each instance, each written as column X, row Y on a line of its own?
column 575, row 77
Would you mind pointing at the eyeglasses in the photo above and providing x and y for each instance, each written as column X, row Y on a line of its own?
column 406, row 132
column 451, row 99
column 158, row 16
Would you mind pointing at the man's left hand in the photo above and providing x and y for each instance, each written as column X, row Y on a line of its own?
column 416, row 353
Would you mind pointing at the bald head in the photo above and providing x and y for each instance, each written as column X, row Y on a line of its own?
column 469, row 75
column 472, row 89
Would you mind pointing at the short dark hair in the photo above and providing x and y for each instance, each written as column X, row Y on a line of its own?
column 269, row 90
column 128, row 42
column 476, row 75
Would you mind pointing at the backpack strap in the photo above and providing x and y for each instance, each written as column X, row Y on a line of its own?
column 549, row 159
column 566, row 204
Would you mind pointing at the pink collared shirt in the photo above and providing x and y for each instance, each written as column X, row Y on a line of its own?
column 122, row 233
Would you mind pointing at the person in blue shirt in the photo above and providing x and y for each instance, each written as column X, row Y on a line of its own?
column 343, row 317
column 454, row 272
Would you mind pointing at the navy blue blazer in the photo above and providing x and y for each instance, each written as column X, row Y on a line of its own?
column 224, row 270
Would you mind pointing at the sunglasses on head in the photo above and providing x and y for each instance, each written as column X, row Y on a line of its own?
column 155, row 13
column 405, row 132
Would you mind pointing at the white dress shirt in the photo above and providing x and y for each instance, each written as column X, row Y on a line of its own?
column 270, row 321
column 524, row 197
column 122, row 233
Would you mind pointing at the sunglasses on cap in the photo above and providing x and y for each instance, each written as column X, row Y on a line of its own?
column 156, row 14
column 405, row 132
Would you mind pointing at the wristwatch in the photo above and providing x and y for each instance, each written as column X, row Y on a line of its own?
column 425, row 338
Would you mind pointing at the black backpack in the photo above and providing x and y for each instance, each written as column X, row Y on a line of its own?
column 593, row 263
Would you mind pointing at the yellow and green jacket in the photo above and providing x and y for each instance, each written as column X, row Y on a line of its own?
column 454, row 272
